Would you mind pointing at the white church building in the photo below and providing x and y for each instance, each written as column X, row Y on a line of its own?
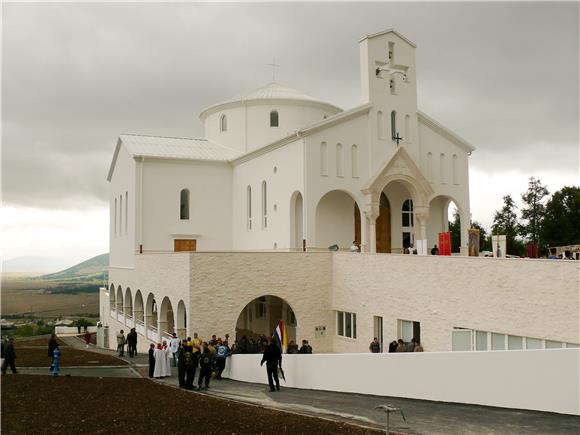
column 230, row 233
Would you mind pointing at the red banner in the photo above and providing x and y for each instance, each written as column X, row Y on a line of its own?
column 445, row 243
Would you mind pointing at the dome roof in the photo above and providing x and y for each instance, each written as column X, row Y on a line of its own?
column 272, row 91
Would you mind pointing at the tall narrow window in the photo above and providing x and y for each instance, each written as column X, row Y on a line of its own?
column 407, row 128
column 442, row 175
column 407, row 217
column 323, row 159
column 184, row 204
column 223, row 123
column 126, row 212
column 115, row 217
column 121, row 215
column 354, row 160
column 264, row 205
column 274, row 118
column 380, row 125
column 454, row 169
column 339, row 161
column 249, row 207
column 429, row 167
column 394, row 124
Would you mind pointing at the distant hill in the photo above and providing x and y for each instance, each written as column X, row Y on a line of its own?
column 92, row 269
column 33, row 264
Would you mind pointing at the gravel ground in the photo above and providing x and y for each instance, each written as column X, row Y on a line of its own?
column 64, row 405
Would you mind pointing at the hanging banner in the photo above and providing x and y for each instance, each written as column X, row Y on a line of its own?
column 445, row 243
column 473, row 242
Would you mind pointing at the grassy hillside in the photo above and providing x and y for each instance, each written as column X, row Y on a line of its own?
column 93, row 269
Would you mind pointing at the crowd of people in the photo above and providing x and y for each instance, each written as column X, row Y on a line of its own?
column 397, row 346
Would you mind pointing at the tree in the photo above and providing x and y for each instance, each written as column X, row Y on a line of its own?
column 455, row 230
column 505, row 221
column 533, row 211
column 561, row 225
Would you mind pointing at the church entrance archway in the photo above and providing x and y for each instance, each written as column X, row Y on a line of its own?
column 260, row 317
column 296, row 221
column 337, row 214
column 166, row 319
column 396, row 224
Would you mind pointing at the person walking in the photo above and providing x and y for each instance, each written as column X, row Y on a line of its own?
column 222, row 352
column 52, row 344
column 375, row 346
column 55, row 368
column 190, row 361
column 181, row 363
column 174, row 346
column 9, row 357
column 151, row 360
column 121, row 343
column 273, row 359
column 132, row 343
column 205, row 364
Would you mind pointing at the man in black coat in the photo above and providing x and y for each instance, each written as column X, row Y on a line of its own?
column 9, row 357
column 273, row 358
column 132, row 343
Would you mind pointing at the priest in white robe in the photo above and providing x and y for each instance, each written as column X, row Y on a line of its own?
column 160, row 356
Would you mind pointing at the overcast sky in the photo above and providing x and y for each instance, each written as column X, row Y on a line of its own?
column 504, row 76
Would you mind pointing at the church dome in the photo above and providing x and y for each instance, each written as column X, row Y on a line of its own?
column 268, row 93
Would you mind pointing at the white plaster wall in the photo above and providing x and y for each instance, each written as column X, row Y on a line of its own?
column 543, row 380
column 303, row 280
column 335, row 220
column 122, row 240
column 235, row 135
column 534, row 298
column 210, row 187
column 281, row 184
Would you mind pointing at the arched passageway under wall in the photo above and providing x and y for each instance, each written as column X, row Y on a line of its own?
column 128, row 307
column 396, row 224
column 296, row 220
column 260, row 318
column 181, row 323
column 120, row 299
column 138, row 310
column 112, row 298
column 336, row 215
column 444, row 215
column 166, row 318
column 151, row 311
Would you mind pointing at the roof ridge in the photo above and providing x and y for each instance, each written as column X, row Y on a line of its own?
column 163, row 137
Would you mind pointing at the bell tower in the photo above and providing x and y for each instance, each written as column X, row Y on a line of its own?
column 387, row 66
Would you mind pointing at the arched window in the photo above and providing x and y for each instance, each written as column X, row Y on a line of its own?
column 184, row 204
column 223, row 123
column 394, row 124
column 429, row 167
column 323, row 159
column 120, row 215
column 407, row 128
column 249, row 207
column 339, row 160
column 115, row 217
column 354, row 160
column 126, row 212
column 274, row 118
column 407, row 216
column 454, row 169
column 264, row 205
column 380, row 125
column 442, row 174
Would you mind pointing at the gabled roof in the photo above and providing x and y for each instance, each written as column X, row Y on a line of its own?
column 373, row 35
column 172, row 148
column 272, row 91
column 445, row 132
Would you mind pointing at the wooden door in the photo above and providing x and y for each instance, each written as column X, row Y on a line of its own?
column 357, row 223
column 384, row 226
column 180, row 245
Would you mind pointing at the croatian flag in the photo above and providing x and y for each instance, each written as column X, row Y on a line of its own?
column 280, row 336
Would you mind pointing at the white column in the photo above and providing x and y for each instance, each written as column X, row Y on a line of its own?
column 364, row 243
column 373, row 235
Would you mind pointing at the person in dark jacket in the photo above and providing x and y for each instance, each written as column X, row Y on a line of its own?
column 393, row 346
column 52, row 344
column 305, row 348
column 190, row 361
column 9, row 357
column 273, row 358
column 151, row 360
column 132, row 343
column 206, row 360
column 181, row 363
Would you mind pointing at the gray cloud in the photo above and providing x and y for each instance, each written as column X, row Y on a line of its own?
column 75, row 76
